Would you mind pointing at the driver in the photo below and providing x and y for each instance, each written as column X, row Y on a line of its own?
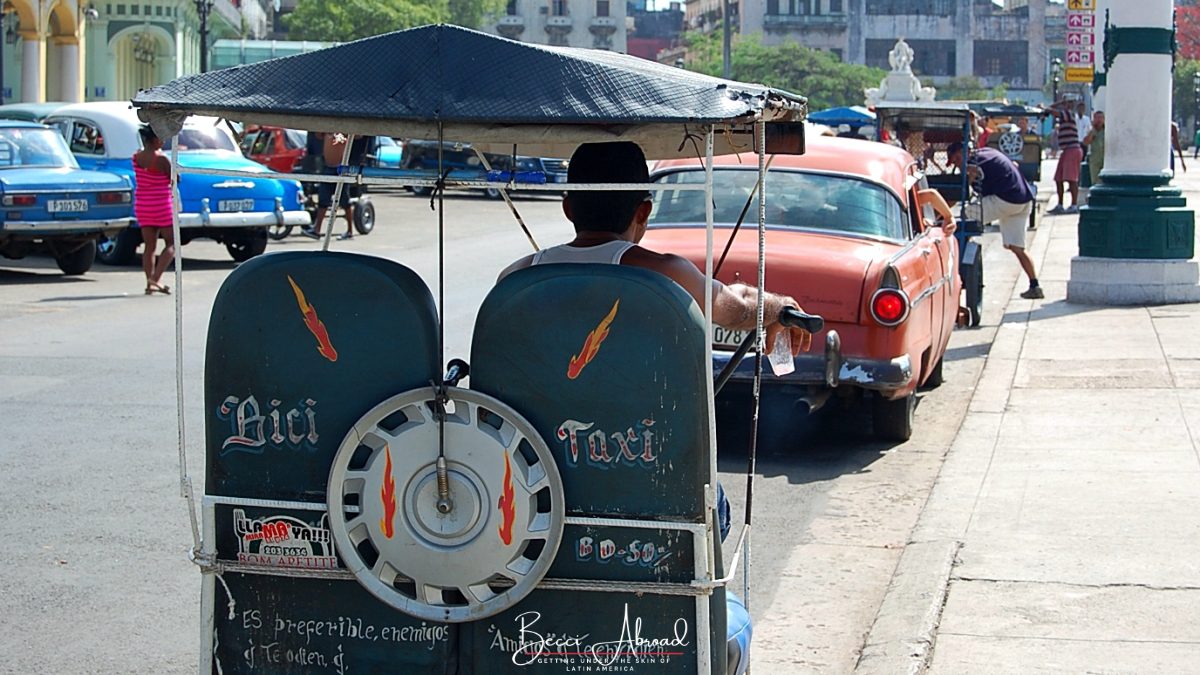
column 608, row 227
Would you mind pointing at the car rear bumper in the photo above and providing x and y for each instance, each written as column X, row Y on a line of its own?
column 817, row 369
column 35, row 227
column 244, row 219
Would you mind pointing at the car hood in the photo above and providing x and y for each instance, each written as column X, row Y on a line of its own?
column 825, row 273
column 59, row 179
column 219, row 159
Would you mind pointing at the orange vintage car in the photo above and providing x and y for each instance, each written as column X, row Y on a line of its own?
column 852, row 235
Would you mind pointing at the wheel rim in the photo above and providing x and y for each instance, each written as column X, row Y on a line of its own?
column 484, row 554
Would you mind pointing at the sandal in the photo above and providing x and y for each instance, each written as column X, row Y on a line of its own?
column 152, row 288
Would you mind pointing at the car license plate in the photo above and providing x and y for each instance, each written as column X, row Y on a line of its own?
column 67, row 206
column 226, row 205
column 561, row 178
column 731, row 339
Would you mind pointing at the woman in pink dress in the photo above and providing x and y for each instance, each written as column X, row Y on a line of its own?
column 153, row 209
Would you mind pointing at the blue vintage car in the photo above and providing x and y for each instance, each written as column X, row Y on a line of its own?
column 47, row 200
column 233, row 211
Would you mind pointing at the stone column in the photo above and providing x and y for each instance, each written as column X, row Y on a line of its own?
column 1099, row 84
column 1136, row 235
column 72, row 86
column 33, row 66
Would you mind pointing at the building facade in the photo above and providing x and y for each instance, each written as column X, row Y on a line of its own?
column 597, row 24
column 84, row 50
column 951, row 38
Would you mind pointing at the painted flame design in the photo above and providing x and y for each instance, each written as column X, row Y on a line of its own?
column 507, row 504
column 313, row 323
column 592, row 344
column 388, row 496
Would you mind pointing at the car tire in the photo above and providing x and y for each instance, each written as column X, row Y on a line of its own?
column 894, row 419
column 277, row 232
column 492, row 193
column 422, row 191
column 245, row 247
column 78, row 260
column 121, row 250
column 364, row 216
column 972, row 276
column 936, row 376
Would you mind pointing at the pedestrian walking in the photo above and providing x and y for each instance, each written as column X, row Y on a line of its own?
column 1066, row 175
column 1196, row 143
column 1176, row 148
column 153, row 208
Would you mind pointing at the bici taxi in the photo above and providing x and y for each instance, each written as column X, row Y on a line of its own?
column 363, row 510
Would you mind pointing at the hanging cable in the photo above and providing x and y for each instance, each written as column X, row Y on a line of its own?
column 760, row 129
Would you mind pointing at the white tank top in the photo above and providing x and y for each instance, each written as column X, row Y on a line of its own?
column 608, row 253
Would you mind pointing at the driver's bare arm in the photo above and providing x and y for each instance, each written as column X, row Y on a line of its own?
column 734, row 306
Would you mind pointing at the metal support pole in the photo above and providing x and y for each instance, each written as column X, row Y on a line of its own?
column 203, row 7
column 727, row 38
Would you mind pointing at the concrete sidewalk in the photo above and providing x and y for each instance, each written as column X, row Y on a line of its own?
column 1063, row 533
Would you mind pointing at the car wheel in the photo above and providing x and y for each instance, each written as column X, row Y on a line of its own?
column 120, row 250
column 972, row 276
column 936, row 378
column 364, row 216
column 492, row 193
column 277, row 232
column 245, row 247
column 77, row 260
column 422, row 191
column 894, row 419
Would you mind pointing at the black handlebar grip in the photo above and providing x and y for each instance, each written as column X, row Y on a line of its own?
column 796, row 319
column 456, row 370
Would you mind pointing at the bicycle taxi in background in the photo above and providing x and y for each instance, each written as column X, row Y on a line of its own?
column 927, row 130
column 363, row 510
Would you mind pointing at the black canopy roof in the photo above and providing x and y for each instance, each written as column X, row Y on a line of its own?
column 478, row 87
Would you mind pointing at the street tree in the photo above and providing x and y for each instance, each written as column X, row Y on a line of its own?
column 819, row 75
column 346, row 20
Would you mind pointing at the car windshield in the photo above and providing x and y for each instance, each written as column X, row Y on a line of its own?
column 34, row 147
column 202, row 138
column 795, row 199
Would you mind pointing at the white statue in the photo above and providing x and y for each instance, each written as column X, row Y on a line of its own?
column 900, row 84
column 901, row 57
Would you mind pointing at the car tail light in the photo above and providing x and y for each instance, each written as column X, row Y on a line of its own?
column 889, row 306
column 120, row 197
column 20, row 200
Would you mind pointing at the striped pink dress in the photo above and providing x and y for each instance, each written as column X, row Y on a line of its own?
column 151, row 198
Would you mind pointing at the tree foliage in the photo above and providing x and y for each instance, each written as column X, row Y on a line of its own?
column 1187, row 25
column 345, row 20
column 1183, row 90
column 818, row 75
column 967, row 88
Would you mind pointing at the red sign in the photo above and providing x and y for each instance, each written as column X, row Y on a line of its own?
column 1080, row 20
column 1079, row 58
column 1080, row 39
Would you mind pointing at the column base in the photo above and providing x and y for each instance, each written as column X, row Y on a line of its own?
column 1117, row 281
column 1141, row 217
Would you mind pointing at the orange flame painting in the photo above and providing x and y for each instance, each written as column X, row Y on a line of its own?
column 592, row 344
column 313, row 323
column 507, row 505
column 388, row 496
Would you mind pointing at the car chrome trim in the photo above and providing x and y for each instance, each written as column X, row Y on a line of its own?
column 244, row 219
column 52, row 192
column 249, row 185
column 873, row 374
column 34, row 226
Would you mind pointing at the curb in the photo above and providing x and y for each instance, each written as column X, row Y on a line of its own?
column 904, row 633
column 901, row 640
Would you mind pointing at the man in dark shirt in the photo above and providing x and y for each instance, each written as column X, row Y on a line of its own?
column 1006, row 198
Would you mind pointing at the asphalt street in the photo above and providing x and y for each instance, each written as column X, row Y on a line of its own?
column 94, row 569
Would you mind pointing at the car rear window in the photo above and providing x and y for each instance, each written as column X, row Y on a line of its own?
column 202, row 138
column 30, row 147
column 795, row 199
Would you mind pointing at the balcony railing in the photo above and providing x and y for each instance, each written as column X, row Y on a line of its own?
column 799, row 20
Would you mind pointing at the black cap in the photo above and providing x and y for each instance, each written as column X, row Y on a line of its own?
column 616, row 162
column 954, row 147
